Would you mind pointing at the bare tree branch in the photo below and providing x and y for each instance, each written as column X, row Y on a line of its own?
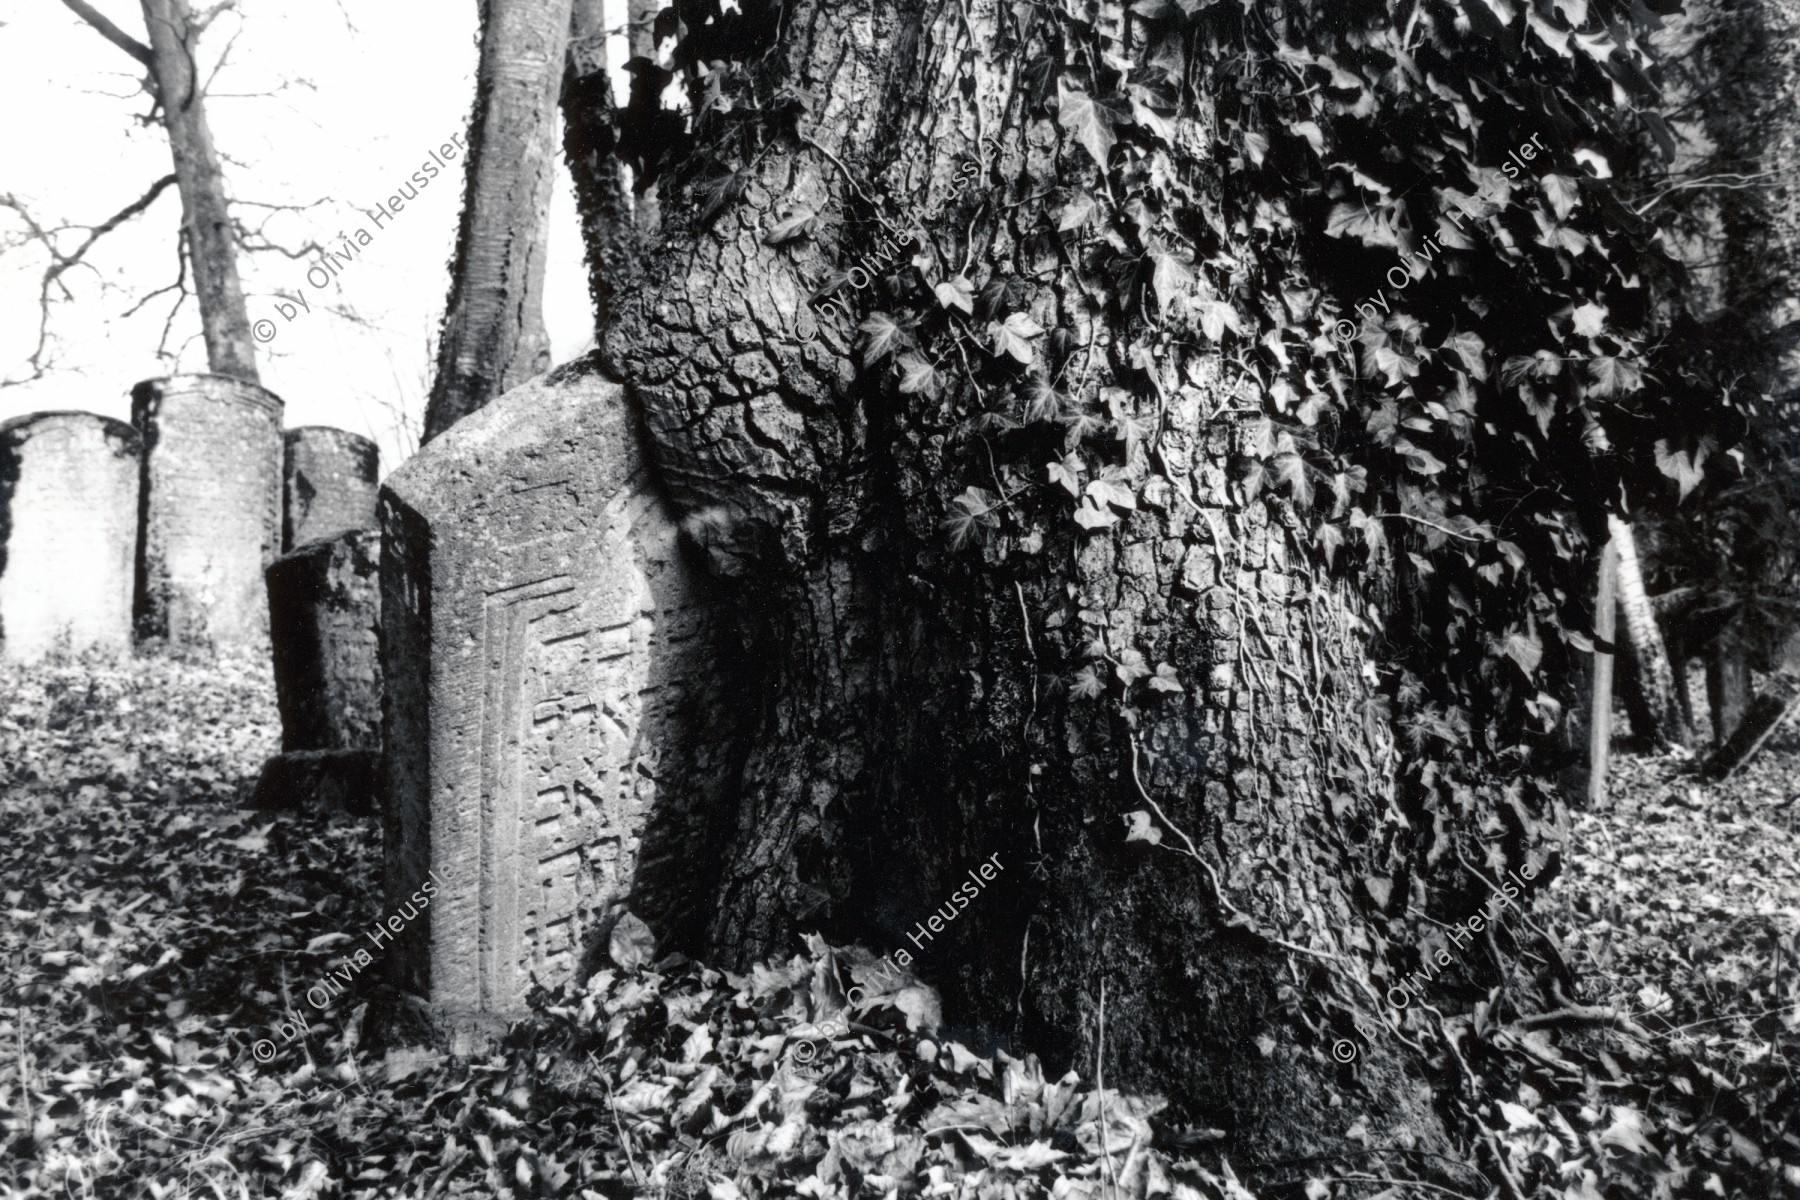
column 109, row 31
column 206, row 18
column 60, row 262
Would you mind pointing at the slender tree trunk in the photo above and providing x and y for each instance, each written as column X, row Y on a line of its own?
column 1655, row 677
column 641, row 39
column 494, row 336
column 609, row 239
column 1727, row 686
column 919, row 706
column 1600, row 714
column 211, row 242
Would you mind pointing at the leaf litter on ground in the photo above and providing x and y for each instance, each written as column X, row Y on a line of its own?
column 157, row 932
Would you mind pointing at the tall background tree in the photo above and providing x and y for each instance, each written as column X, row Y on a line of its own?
column 1722, row 560
column 209, row 237
column 1135, row 521
column 494, row 337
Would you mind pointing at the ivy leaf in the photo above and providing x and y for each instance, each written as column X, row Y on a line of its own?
column 1091, row 516
column 1524, row 648
column 1087, row 684
column 631, row 945
column 1329, row 537
column 1290, row 469
column 1107, row 491
column 917, row 374
column 1011, row 337
column 1171, row 278
column 1590, row 320
column 1139, row 829
column 1372, row 228
column 1678, row 466
column 1564, row 194
column 1166, row 681
column 1256, row 144
column 1043, row 401
column 1612, row 376
column 1131, row 666
column 1216, row 316
column 795, row 227
column 884, row 335
column 1470, row 350
column 1423, row 461
column 1067, row 472
column 1076, row 213
column 1085, row 121
column 973, row 512
column 956, row 293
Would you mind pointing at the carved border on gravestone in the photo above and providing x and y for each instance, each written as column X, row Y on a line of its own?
column 554, row 694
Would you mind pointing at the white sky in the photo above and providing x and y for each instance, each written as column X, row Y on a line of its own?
column 380, row 99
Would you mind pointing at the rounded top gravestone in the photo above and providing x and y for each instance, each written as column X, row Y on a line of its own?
column 68, row 529
column 329, row 482
column 210, row 509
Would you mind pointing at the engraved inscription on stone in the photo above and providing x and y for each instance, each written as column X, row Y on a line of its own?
column 536, row 602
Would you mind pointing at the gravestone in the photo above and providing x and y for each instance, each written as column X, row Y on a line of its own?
column 68, row 532
column 550, row 715
column 329, row 479
column 210, row 508
column 324, row 609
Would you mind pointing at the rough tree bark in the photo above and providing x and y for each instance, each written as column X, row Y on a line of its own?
column 494, row 336
column 1655, row 678
column 913, row 712
column 211, row 244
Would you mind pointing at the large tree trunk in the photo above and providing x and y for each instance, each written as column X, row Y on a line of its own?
column 494, row 336
column 922, row 706
column 212, row 246
column 1655, row 678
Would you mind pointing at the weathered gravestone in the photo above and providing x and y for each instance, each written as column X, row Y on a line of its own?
column 329, row 480
column 211, row 508
column 68, row 532
column 550, row 704
column 324, row 606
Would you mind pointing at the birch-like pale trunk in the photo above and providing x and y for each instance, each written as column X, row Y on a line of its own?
column 1654, row 675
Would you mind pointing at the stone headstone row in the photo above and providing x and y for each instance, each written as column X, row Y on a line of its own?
column 163, row 528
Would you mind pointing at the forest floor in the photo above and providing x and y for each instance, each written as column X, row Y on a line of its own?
column 160, row 942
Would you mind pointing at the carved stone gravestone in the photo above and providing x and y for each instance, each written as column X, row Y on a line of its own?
column 549, row 708
column 68, row 532
column 324, row 607
column 211, row 508
column 329, row 479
